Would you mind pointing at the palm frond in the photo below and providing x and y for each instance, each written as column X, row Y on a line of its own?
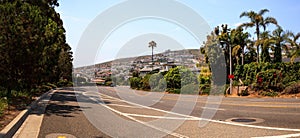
column 244, row 14
column 246, row 25
column 270, row 20
column 297, row 36
column 263, row 11
column 235, row 50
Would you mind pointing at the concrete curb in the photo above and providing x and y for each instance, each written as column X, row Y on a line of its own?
column 15, row 124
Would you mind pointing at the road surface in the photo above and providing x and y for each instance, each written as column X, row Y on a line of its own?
column 122, row 112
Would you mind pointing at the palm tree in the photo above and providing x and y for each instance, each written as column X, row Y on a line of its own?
column 295, row 49
column 152, row 44
column 239, row 39
column 257, row 20
column 280, row 37
column 266, row 42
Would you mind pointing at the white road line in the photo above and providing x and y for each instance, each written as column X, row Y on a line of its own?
column 158, row 101
column 281, row 136
column 123, row 105
column 160, row 117
column 144, row 123
column 215, row 121
column 213, row 108
column 109, row 99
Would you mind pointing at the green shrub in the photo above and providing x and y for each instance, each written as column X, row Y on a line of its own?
column 135, row 82
column 45, row 88
column 145, row 85
column 176, row 91
column 269, row 93
column 3, row 105
column 269, row 79
column 51, row 85
column 251, row 73
column 190, row 89
column 204, row 89
column 294, row 88
column 64, row 83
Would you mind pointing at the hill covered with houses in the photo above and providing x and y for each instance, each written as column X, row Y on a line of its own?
column 127, row 67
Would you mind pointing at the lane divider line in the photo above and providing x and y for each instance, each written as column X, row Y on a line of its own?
column 123, row 105
column 210, row 120
column 141, row 122
column 281, row 136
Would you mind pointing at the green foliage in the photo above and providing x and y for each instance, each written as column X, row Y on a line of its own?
column 175, row 91
column 3, row 106
column 173, row 78
column 180, row 76
column 269, row 79
column 135, row 82
column 145, row 82
column 64, row 83
column 269, row 93
column 190, row 89
column 293, row 88
column 171, row 81
column 157, row 82
column 266, row 76
column 33, row 48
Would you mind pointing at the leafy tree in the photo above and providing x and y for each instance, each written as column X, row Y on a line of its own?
column 295, row 45
column 257, row 20
column 280, row 37
column 32, row 45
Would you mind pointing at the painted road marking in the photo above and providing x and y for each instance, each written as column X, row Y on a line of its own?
column 158, row 101
column 144, row 123
column 124, row 105
column 252, row 104
column 213, row 108
column 281, row 136
column 210, row 120
column 161, row 117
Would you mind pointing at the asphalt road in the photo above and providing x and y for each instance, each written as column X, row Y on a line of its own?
column 122, row 112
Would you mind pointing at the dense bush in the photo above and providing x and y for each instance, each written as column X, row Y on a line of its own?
column 135, row 82
column 264, row 76
column 180, row 76
column 171, row 81
column 269, row 79
column 3, row 106
column 294, row 88
column 190, row 89
column 157, row 82
column 145, row 83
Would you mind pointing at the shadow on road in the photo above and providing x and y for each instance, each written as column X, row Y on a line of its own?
column 63, row 104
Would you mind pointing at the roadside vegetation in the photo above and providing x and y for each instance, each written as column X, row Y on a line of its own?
column 34, row 55
column 268, row 65
column 265, row 61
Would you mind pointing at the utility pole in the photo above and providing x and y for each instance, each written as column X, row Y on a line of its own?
column 230, row 76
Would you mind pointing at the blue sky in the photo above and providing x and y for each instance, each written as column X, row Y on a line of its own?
column 78, row 14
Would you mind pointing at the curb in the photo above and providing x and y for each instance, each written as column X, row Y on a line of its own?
column 16, row 123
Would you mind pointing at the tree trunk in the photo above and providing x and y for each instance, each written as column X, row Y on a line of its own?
column 257, row 34
column 243, row 55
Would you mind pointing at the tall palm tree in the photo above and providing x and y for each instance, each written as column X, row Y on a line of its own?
column 239, row 39
column 257, row 20
column 280, row 38
column 152, row 44
column 295, row 49
column 266, row 42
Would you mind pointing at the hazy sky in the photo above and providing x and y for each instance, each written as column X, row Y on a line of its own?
column 77, row 15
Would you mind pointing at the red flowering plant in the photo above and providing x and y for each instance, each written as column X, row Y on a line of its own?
column 269, row 80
